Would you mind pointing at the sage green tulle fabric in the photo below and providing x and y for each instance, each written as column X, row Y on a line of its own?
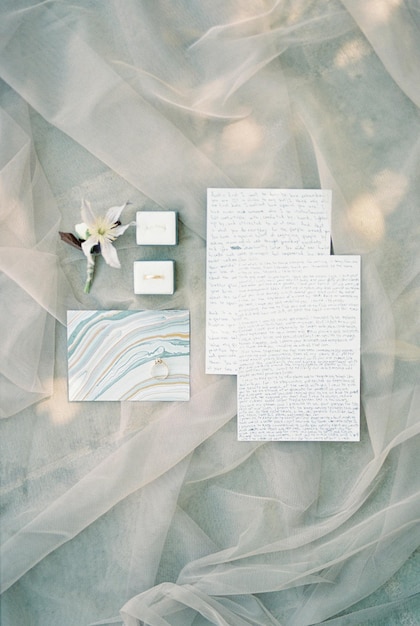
column 152, row 513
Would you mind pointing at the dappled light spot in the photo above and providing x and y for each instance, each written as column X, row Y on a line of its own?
column 390, row 187
column 57, row 408
column 366, row 219
column 368, row 127
column 242, row 138
column 404, row 350
column 366, row 215
column 351, row 53
column 381, row 11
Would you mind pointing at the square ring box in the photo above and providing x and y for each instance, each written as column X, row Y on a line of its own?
column 154, row 277
column 156, row 228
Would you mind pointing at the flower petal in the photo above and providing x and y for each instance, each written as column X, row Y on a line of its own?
column 88, row 215
column 82, row 230
column 119, row 230
column 88, row 245
column 110, row 254
column 113, row 214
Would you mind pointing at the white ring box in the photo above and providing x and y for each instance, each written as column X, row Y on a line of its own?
column 154, row 277
column 156, row 228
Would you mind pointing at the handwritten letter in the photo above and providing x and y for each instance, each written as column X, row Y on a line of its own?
column 261, row 222
column 299, row 349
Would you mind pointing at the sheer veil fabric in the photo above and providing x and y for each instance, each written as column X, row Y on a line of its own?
column 153, row 513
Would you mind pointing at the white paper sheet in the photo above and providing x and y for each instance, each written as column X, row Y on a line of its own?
column 261, row 221
column 299, row 349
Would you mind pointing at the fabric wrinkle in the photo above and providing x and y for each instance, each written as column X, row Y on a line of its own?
column 153, row 513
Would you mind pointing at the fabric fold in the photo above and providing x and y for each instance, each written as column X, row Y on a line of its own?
column 155, row 509
column 114, row 479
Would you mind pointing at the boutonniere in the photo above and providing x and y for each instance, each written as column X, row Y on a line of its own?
column 95, row 236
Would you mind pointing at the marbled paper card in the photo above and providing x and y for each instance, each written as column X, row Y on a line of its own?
column 128, row 355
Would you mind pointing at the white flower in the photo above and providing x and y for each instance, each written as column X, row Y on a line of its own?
column 101, row 231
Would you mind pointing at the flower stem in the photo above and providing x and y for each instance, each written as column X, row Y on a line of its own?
column 89, row 274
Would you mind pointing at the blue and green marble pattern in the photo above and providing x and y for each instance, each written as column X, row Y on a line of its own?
column 111, row 354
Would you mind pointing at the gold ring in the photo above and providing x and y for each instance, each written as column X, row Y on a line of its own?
column 159, row 370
